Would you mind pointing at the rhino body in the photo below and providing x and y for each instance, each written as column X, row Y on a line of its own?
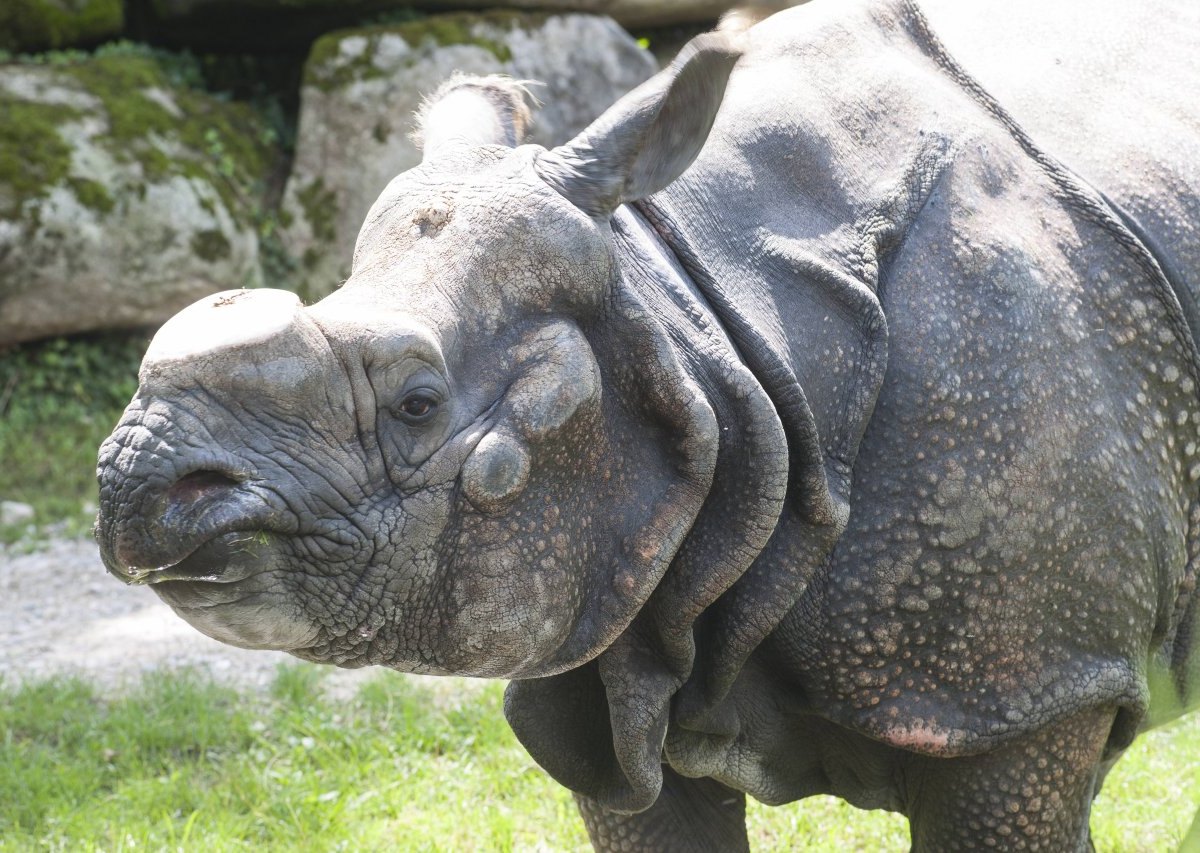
column 809, row 424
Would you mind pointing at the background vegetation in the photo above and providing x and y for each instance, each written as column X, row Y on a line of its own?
column 58, row 400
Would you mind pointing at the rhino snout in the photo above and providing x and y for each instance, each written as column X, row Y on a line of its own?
column 166, row 534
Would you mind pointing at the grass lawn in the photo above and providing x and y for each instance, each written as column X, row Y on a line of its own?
column 181, row 763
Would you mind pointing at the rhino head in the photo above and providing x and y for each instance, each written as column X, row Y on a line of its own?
column 480, row 456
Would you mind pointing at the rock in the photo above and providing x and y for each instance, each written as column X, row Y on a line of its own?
column 271, row 25
column 124, row 195
column 632, row 13
column 33, row 25
column 362, row 86
column 13, row 513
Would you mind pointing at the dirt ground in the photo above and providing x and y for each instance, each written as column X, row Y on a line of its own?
column 62, row 613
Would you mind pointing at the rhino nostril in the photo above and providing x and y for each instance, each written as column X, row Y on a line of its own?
column 166, row 527
column 192, row 487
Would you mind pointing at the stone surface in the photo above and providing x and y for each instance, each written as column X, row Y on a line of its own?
column 632, row 13
column 13, row 513
column 124, row 196
column 63, row 615
column 361, row 88
column 31, row 25
column 263, row 25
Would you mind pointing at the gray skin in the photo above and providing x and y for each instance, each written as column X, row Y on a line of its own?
column 803, row 426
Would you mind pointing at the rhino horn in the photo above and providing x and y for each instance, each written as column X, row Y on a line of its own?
column 649, row 137
column 469, row 110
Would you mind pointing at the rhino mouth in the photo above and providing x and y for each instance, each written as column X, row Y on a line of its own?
column 222, row 559
column 207, row 525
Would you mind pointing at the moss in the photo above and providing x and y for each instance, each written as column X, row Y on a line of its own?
column 120, row 84
column 461, row 29
column 278, row 264
column 33, row 25
column 33, row 156
column 210, row 245
column 91, row 194
column 223, row 144
column 156, row 166
column 328, row 69
column 320, row 209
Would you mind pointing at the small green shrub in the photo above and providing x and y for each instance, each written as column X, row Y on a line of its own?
column 58, row 400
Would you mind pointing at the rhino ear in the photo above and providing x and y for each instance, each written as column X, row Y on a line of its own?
column 468, row 110
column 649, row 137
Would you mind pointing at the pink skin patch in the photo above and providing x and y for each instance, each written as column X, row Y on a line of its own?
column 918, row 738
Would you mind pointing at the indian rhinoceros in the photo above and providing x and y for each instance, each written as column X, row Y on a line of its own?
column 809, row 424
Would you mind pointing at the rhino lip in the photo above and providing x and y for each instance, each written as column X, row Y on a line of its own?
column 190, row 532
column 215, row 560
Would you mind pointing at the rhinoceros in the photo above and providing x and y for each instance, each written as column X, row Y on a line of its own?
column 824, row 418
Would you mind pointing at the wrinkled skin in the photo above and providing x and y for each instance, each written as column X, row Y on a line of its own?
column 840, row 441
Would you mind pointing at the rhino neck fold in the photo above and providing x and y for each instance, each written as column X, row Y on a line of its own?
column 696, row 628
column 765, row 529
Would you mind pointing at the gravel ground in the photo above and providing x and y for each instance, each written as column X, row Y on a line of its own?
column 62, row 613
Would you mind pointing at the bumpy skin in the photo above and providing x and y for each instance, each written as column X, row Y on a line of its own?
column 698, row 815
column 842, row 440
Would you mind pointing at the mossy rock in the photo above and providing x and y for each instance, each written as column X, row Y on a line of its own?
column 136, row 114
column 37, row 25
column 124, row 195
column 331, row 66
column 265, row 26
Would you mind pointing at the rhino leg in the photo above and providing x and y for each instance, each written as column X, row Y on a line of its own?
column 692, row 815
column 1033, row 794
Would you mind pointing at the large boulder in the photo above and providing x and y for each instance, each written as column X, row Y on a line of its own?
column 268, row 25
column 32, row 25
column 629, row 13
column 124, row 195
column 361, row 88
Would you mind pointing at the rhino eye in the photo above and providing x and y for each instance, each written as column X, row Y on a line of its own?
column 417, row 407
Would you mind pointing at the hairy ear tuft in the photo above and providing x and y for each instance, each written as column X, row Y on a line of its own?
column 473, row 110
column 751, row 13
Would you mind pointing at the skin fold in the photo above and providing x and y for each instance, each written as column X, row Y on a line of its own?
column 811, row 423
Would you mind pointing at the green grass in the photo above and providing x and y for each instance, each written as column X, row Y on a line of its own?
column 58, row 400
column 184, row 763
column 181, row 763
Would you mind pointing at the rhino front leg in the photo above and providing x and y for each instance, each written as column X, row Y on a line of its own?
column 689, row 816
column 1033, row 794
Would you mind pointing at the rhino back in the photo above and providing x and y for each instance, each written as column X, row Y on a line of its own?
column 1020, row 502
column 1109, row 88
